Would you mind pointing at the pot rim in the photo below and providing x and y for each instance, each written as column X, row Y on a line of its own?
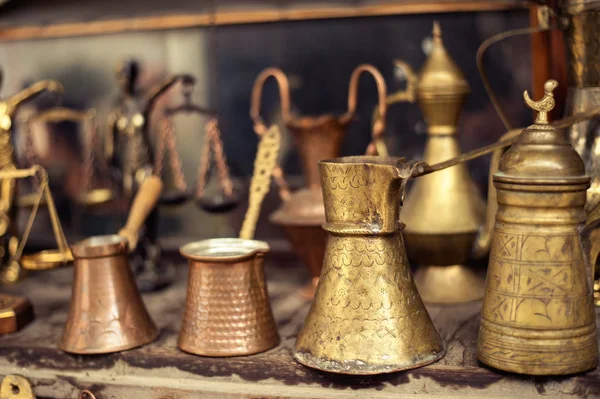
column 223, row 250
column 100, row 246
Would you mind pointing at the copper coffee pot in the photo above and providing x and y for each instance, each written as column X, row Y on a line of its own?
column 538, row 315
column 316, row 138
column 227, row 309
column 107, row 313
column 367, row 316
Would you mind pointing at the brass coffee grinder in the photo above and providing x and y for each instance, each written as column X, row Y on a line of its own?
column 538, row 315
column 130, row 155
column 316, row 138
column 444, row 211
column 11, row 271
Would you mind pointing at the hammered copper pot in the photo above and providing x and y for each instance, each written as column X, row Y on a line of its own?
column 227, row 308
column 107, row 313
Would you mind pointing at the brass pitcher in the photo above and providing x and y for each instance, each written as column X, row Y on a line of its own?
column 367, row 316
column 227, row 311
column 316, row 138
column 538, row 315
column 444, row 211
column 107, row 313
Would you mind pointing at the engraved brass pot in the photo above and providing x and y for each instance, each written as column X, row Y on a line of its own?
column 444, row 211
column 367, row 316
column 538, row 315
column 227, row 308
column 107, row 313
column 302, row 214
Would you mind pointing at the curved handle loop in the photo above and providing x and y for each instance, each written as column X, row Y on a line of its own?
column 409, row 94
column 284, row 94
column 259, row 125
column 60, row 114
column 377, row 146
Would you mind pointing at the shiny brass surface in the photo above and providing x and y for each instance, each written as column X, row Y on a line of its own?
column 444, row 211
column 15, row 313
column 12, row 272
column 537, row 314
column 367, row 316
column 107, row 313
column 316, row 138
column 227, row 309
column 16, row 387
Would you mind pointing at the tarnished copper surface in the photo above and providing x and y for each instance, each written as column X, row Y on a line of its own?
column 107, row 313
column 316, row 138
column 227, row 308
column 583, row 44
column 537, row 315
column 367, row 316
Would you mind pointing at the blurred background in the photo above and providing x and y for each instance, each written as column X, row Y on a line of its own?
column 225, row 45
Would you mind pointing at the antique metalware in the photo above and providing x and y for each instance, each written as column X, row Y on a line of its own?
column 16, row 387
column 11, row 272
column 367, row 316
column 444, row 211
column 15, row 313
column 537, row 315
column 91, row 194
column 222, row 201
column 227, row 309
column 129, row 153
column 316, row 138
column 107, row 313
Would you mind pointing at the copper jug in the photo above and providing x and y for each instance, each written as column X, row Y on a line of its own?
column 444, row 211
column 107, row 313
column 538, row 316
column 316, row 138
column 227, row 310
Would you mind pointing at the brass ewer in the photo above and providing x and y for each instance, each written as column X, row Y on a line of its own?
column 538, row 315
column 367, row 316
column 107, row 313
column 444, row 211
column 316, row 138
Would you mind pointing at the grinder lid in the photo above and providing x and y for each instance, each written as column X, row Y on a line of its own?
column 542, row 152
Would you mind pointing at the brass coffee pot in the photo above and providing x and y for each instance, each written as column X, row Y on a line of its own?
column 107, row 313
column 367, row 316
column 444, row 211
column 316, row 138
column 538, row 315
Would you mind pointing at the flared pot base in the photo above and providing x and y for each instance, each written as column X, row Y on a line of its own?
column 449, row 284
column 358, row 367
column 535, row 352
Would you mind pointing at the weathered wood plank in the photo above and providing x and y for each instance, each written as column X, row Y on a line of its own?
column 160, row 370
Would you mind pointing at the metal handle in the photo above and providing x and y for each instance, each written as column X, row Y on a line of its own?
column 377, row 146
column 143, row 203
column 284, row 94
column 259, row 125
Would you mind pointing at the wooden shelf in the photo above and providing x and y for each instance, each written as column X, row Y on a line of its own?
column 160, row 370
column 40, row 19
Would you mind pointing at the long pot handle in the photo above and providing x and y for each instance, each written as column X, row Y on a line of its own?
column 145, row 200
column 260, row 128
column 377, row 145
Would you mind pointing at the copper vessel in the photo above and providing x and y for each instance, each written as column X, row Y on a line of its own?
column 107, row 313
column 227, row 309
column 538, row 316
column 444, row 211
column 316, row 138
